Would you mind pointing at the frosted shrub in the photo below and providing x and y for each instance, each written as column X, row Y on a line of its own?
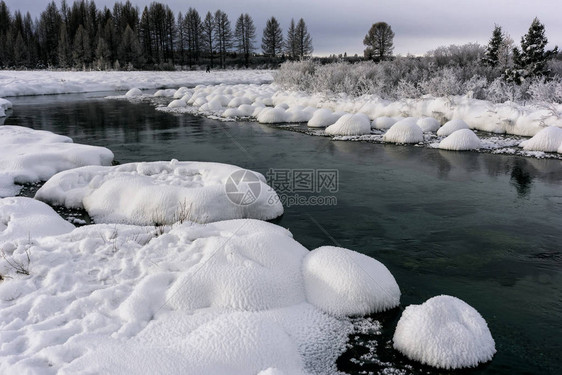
column 550, row 91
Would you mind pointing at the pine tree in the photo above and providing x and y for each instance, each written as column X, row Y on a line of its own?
column 81, row 52
column 181, row 38
column 304, row 40
column 223, row 35
column 64, row 53
column 492, row 54
column 532, row 60
column 272, row 40
column 291, row 44
column 245, row 35
column 193, row 35
column 130, row 51
column 379, row 42
column 208, row 36
column 49, row 27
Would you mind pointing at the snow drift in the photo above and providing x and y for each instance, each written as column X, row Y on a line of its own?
column 349, row 124
column 28, row 155
column 163, row 193
column 547, row 140
column 461, row 140
column 404, row 131
column 444, row 332
column 451, row 126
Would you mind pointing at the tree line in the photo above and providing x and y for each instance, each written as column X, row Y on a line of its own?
column 81, row 36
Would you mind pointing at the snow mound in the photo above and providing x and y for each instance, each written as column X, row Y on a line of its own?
column 272, row 116
column 238, row 101
column 178, row 103
column 28, row 155
column 168, row 93
column 428, row 124
column 452, row 126
column 322, row 118
column 444, row 332
column 181, row 92
column 383, row 123
column 404, row 131
column 461, row 140
column 343, row 282
column 546, row 140
column 133, row 93
column 163, row 193
column 29, row 219
column 357, row 124
column 5, row 104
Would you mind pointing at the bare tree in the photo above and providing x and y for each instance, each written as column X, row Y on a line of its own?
column 272, row 40
column 379, row 42
column 192, row 22
column 245, row 35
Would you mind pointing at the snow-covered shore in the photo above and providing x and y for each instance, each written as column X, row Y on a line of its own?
column 44, row 82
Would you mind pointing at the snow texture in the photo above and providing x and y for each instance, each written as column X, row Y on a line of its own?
column 404, row 131
column 444, row 332
column 547, row 140
column 349, row 124
column 461, row 140
column 451, row 126
column 26, row 219
column 272, row 116
column 162, row 193
column 322, row 118
column 383, row 123
column 226, row 297
column 343, row 282
column 17, row 83
column 5, row 104
column 134, row 92
column 428, row 124
column 28, row 155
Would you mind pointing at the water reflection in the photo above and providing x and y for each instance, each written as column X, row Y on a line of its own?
column 521, row 179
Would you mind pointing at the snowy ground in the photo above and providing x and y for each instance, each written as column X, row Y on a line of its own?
column 17, row 83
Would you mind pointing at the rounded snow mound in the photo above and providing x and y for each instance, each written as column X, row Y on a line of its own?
column 461, row 140
column 404, row 131
column 272, row 116
column 444, row 332
column 133, row 92
column 428, row 124
column 5, row 104
column 157, row 193
column 357, row 124
column 383, row 123
column 180, row 93
column 238, row 101
column 343, row 282
column 547, row 140
column 168, row 93
column 178, row 103
column 452, row 126
column 322, row 118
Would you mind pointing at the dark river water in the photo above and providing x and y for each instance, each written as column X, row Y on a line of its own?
column 485, row 228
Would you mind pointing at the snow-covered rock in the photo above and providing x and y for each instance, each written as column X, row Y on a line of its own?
column 357, row 124
column 28, row 219
column 546, row 140
column 28, row 155
column 343, row 282
column 272, row 116
column 168, row 93
column 238, row 101
column 181, row 92
column 163, row 193
column 178, row 103
column 134, row 92
column 461, row 140
column 451, row 126
column 444, row 332
column 428, row 124
column 322, row 118
column 383, row 122
column 5, row 104
column 404, row 131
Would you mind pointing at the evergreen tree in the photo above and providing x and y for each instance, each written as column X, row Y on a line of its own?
column 181, row 38
column 130, row 51
column 193, row 35
column 49, row 27
column 532, row 60
column 145, row 31
column 492, row 54
column 272, row 40
column 291, row 44
column 304, row 40
column 379, row 42
column 19, row 51
column 223, row 35
column 103, row 52
column 208, row 36
column 245, row 35
column 81, row 52
column 63, row 52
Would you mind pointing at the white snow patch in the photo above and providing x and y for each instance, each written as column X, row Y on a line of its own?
column 404, row 131
column 428, row 124
column 272, row 116
column 461, row 140
column 343, row 282
column 178, row 103
column 383, row 122
column 451, row 126
column 163, row 193
column 348, row 124
column 5, row 104
column 444, row 332
column 547, row 140
column 322, row 118
column 134, row 92
column 28, row 155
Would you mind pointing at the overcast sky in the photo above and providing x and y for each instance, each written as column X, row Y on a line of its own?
column 340, row 26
